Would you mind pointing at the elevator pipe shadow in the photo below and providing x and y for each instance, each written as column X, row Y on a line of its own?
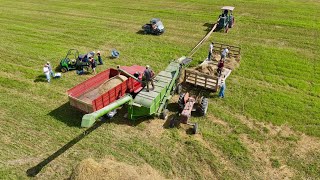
column 33, row 171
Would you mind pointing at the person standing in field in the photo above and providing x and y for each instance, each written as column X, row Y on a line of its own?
column 148, row 74
column 222, row 87
column 46, row 71
column 210, row 51
column 50, row 69
column 220, row 67
column 224, row 54
column 99, row 58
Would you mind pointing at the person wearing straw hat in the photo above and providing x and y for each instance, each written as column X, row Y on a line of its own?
column 222, row 87
column 50, row 69
column 46, row 71
column 148, row 74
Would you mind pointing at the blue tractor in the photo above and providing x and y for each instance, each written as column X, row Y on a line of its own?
column 226, row 19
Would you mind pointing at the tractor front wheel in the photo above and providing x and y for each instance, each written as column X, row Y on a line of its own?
column 165, row 114
column 204, row 106
column 195, row 128
column 181, row 101
column 64, row 69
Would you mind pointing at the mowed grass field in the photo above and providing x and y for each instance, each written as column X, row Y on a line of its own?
column 267, row 127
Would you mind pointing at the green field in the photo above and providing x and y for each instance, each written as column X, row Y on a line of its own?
column 267, row 127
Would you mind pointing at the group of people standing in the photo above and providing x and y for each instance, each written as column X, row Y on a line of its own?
column 220, row 65
column 92, row 61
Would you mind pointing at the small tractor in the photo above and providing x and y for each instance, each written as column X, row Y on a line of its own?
column 226, row 19
column 187, row 104
column 155, row 27
column 74, row 61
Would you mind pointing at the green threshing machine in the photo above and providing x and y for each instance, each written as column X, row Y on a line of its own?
column 152, row 103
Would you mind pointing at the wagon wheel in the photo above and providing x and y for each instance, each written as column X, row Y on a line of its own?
column 181, row 101
column 195, row 128
column 204, row 106
column 63, row 69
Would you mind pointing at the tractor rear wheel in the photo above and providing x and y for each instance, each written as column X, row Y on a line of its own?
column 181, row 101
column 204, row 106
column 232, row 22
column 226, row 28
column 164, row 115
column 63, row 69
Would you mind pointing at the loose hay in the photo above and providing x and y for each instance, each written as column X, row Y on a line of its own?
column 111, row 83
column 231, row 63
column 106, row 86
column 209, row 69
column 111, row 169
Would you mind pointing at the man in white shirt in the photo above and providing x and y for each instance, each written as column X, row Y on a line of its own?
column 46, row 71
column 50, row 69
column 210, row 51
column 224, row 54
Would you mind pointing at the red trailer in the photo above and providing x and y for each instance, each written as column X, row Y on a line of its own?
column 87, row 96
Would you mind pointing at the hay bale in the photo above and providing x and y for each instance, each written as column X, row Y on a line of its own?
column 111, row 169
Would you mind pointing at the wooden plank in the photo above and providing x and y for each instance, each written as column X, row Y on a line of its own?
column 201, row 80
column 202, row 83
column 218, row 47
column 200, row 74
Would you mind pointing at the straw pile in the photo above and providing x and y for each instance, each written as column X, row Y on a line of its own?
column 209, row 69
column 106, row 86
column 111, row 169
column 111, row 83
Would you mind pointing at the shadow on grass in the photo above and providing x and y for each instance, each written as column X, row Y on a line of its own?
column 68, row 115
column 33, row 171
column 120, row 120
column 40, row 78
column 57, row 69
column 209, row 26
column 141, row 32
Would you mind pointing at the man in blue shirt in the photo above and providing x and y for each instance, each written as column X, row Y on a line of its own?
column 222, row 87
